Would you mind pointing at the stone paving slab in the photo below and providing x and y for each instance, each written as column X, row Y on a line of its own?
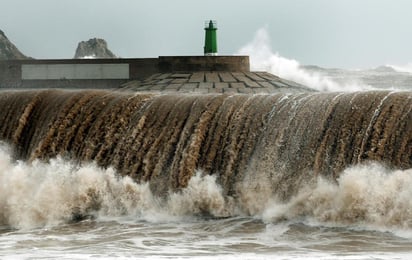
column 181, row 75
column 163, row 76
column 267, row 76
column 205, row 85
column 230, row 90
column 212, row 77
column 227, row 77
column 243, row 78
column 254, row 76
column 173, row 87
column 165, row 81
column 237, row 85
column 246, row 90
column 221, row 85
column 201, row 90
column 216, row 82
column 179, row 80
column 215, row 90
column 189, row 86
column 197, row 77
column 267, row 85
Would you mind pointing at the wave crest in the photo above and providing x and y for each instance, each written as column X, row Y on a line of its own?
column 48, row 194
column 262, row 58
column 366, row 195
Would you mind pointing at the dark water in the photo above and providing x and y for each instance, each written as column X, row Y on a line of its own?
column 108, row 174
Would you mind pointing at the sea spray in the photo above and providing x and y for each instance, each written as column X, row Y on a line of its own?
column 262, row 58
column 402, row 68
column 42, row 194
column 368, row 195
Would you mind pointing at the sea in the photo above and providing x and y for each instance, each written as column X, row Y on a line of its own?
column 247, row 201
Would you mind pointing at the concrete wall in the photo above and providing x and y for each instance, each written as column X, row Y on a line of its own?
column 107, row 73
column 204, row 63
column 74, row 71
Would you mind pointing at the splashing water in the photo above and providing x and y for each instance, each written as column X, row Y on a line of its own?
column 262, row 58
column 368, row 195
column 48, row 194
column 402, row 68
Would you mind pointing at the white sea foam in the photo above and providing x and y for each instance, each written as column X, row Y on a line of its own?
column 402, row 68
column 368, row 196
column 262, row 58
column 48, row 194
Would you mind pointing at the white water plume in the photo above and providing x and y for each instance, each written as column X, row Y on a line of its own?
column 367, row 195
column 402, row 68
column 42, row 194
column 47, row 194
column 262, row 58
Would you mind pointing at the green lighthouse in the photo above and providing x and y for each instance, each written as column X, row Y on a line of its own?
column 210, row 48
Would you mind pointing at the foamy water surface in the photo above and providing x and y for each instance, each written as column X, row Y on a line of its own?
column 355, row 218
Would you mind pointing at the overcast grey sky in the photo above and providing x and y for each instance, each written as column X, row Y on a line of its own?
column 330, row 33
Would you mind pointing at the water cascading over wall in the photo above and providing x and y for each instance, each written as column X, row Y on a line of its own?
column 282, row 140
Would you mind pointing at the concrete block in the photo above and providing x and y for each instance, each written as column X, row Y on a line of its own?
column 201, row 90
column 197, row 77
column 246, row 90
column 267, row 76
column 237, row 85
column 206, row 85
column 220, row 85
column 188, row 86
column 254, row 76
column 230, row 90
column 181, row 75
column 267, row 85
column 212, row 77
column 179, row 80
column 215, row 90
column 227, row 77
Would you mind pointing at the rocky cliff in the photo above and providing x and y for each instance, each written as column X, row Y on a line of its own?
column 8, row 51
column 93, row 48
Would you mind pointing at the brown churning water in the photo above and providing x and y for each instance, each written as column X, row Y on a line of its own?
column 164, row 139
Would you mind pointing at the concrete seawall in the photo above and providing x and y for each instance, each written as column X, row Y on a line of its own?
column 107, row 73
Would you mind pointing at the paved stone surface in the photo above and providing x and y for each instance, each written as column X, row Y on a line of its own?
column 216, row 82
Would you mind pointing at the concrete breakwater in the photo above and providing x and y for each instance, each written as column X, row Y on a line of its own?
column 183, row 74
column 107, row 73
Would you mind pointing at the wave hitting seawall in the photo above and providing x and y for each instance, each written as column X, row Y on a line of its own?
column 166, row 138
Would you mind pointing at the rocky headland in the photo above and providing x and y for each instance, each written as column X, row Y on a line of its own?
column 8, row 51
column 94, row 48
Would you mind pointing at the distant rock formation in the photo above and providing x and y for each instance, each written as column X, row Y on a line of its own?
column 8, row 51
column 94, row 49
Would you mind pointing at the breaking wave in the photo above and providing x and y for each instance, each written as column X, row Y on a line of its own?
column 262, row 58
column 41, row 194
column 402, row 68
